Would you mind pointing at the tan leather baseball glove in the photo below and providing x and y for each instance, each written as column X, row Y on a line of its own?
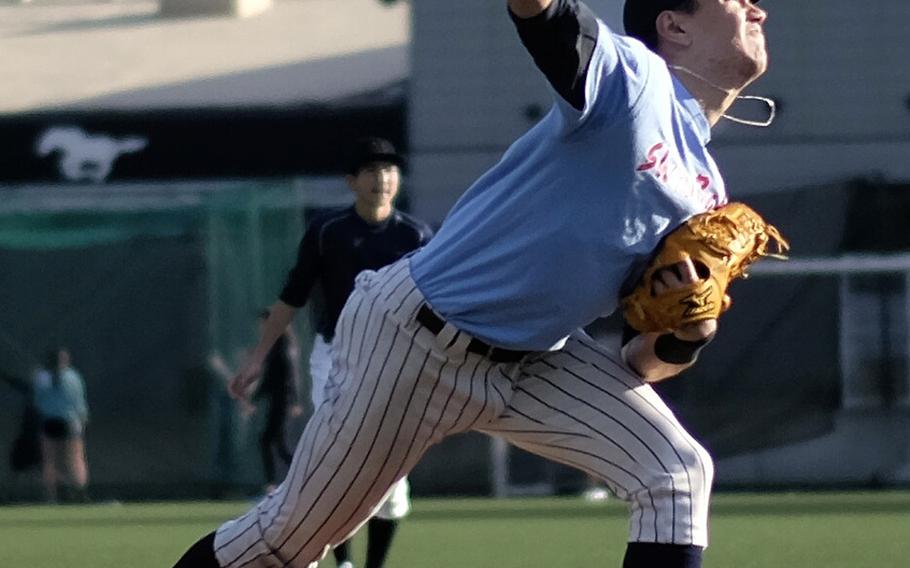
column 721, row 243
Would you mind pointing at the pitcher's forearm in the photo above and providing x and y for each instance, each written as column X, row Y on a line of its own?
column 659, row 356
column 639, row 354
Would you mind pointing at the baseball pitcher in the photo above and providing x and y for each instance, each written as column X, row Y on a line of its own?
column 481, row 329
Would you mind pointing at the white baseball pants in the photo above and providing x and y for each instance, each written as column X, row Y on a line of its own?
column 397, row 503
column 402, row 388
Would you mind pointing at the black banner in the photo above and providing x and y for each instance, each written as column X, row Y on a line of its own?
column 97, row 146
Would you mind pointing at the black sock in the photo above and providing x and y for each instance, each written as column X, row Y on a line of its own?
column 652, row 555
column 200, row 555
column 342, row 552
column 379, row 539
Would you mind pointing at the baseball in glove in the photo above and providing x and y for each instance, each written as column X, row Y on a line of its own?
column 722, row 244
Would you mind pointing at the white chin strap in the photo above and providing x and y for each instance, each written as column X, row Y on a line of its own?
column 772, row 111
column 772, row 107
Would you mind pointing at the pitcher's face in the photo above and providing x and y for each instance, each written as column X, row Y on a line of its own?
column 729, row 36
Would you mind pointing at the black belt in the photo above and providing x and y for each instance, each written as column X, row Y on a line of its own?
column 428, row 319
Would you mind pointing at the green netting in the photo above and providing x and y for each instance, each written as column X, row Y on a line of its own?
column 143, row 296
column 249, row 247
column 55, row 231
column 251, row 234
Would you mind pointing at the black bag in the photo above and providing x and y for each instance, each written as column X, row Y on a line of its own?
column 26, row 452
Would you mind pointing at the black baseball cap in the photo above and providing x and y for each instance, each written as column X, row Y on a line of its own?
column 372, row 149
column 639, row 17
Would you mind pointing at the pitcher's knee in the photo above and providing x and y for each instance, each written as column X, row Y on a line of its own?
column 699, row 470
column 672, row 507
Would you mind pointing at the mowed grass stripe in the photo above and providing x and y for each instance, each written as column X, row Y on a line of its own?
column 835, row 530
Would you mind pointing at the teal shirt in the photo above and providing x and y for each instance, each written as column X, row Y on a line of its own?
column 66, row 402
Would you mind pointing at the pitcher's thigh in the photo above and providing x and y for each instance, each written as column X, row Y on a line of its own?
column 320, row 369
column 583, row 407
column 353, row 449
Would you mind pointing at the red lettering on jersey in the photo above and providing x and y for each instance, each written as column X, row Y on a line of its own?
column 669, row 171
column 653, row 157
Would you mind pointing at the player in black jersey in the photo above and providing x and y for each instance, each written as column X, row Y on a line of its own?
column 337, row 246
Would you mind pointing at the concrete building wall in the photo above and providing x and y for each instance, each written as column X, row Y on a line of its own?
column 92, row 55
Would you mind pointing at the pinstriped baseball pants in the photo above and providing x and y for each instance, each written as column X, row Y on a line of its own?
column 400, row 389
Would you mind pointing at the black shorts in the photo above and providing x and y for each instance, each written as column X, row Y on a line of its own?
column 58, row 429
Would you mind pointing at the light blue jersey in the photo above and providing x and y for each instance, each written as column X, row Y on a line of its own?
column 543, row 242
column 66, row 402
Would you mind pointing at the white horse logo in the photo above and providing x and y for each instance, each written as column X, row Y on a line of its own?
column 85, row 157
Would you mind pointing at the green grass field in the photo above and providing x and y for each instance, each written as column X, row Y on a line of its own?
column 799, row 530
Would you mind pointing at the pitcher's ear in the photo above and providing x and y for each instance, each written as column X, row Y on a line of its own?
column 671, row 28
